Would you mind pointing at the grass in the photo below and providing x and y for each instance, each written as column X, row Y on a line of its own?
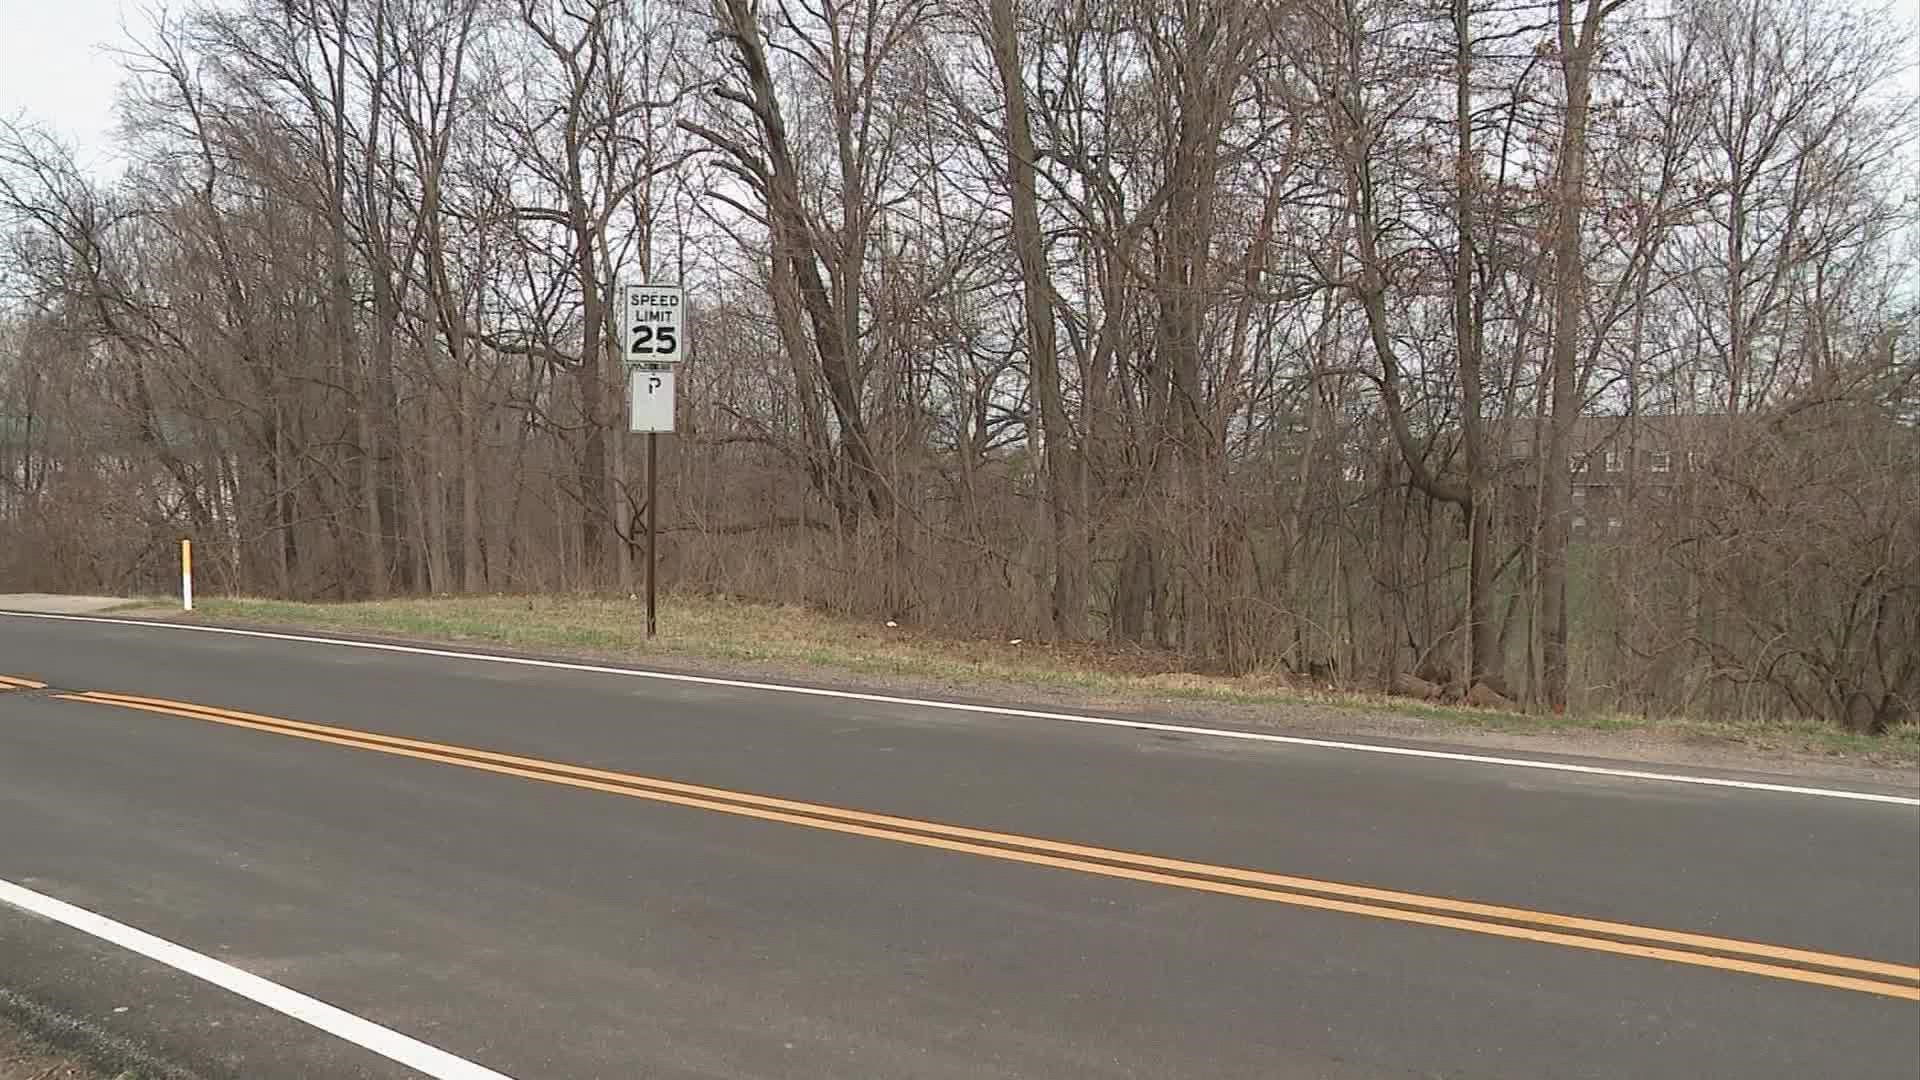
column 138, row 604
column 699, row 628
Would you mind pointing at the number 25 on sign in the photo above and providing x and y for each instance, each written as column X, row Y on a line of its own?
column 650, row 323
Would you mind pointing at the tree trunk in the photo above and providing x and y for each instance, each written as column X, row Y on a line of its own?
column 1484, row 661
column 1577, row 46
column 1058, row 457
column 473, row 573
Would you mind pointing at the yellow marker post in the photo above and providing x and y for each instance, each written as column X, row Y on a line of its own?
column 186, row 575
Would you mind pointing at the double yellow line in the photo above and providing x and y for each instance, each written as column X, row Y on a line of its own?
column 1596, row 935
column 8, row 682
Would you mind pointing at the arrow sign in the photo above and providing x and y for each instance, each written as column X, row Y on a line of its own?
column 650, row 399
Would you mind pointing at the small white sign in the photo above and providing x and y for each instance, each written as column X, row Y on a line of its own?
column 650, row 398
column 652, row 323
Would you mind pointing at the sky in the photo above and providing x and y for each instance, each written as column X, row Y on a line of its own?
column 56, row 69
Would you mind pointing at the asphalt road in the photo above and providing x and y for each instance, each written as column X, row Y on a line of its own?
column 1309, row 914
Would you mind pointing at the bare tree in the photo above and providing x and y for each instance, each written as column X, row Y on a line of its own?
column 1359, row 338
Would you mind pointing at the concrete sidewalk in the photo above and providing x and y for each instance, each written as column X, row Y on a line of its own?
column 48, row 603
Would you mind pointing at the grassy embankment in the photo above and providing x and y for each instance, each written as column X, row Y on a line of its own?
column 766, row 636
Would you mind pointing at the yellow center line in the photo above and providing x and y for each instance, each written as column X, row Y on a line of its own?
column 1134, row 866
column 1257, row 877
column 9, row 682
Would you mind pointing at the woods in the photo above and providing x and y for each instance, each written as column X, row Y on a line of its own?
column 1570, row 350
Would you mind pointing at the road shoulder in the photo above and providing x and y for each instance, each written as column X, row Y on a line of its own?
column 105, row 1013
column 38, row 1042
column 49, row 603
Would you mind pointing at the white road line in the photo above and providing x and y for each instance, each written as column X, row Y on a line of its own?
column 1025, row 714
column 386, row 1042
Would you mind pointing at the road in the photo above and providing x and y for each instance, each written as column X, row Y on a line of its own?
column 575, row 873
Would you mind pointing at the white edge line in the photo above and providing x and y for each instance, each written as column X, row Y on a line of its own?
column 361, row 1032
column 1026, row 714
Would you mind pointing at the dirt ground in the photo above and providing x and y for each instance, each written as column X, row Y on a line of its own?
column 24, row 1058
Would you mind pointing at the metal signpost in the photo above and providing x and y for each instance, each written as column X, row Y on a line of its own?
column 652, row 340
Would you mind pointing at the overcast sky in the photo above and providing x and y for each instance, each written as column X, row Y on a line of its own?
column 56, row 66
column 55, row 69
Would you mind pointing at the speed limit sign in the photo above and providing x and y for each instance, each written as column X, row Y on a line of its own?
column 652, row 324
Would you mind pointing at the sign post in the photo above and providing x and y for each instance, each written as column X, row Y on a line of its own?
column 652, row 340
column 653, row 532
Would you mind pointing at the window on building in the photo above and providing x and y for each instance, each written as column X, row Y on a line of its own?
column 1579, row 523
column 1579, row 495
column 1661, row 461
column 1613, row 460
